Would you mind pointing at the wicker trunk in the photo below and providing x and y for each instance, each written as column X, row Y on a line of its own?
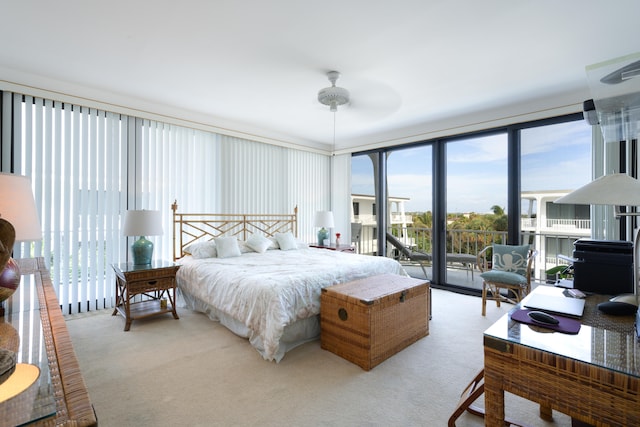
column 369, row 320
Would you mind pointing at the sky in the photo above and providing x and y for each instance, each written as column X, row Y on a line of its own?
column 555, row 157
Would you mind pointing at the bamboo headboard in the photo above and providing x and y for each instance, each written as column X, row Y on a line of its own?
column 190, row 228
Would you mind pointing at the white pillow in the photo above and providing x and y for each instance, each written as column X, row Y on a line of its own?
column 274, row 243
column 286, row 241
column 258, row 243
column 202, row 250
column 244, row 248
column 227, row 247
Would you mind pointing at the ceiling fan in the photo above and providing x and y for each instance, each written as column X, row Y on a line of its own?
column 333, row 96
column 372, row 100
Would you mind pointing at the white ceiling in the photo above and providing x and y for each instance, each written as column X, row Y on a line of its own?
column 415, row 69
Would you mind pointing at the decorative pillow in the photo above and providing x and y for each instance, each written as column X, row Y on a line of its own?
column 202, row 250
column 286, row 241
column 274, row 243
column 510, row 258
column 227, row 247
column 244, row 249
column 504, row 277
column 258, row 243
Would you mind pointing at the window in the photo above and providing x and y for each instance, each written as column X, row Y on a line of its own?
column 556, row 159
column 476, row 195
column 484, row 193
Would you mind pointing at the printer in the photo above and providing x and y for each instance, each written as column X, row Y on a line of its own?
column 603, row 266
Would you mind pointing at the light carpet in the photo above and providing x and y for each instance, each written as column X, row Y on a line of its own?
column 195, row 372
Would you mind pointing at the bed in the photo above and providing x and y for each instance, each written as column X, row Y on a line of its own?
column 269, row 292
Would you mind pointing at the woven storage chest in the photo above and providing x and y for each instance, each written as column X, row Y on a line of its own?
column 369, row 320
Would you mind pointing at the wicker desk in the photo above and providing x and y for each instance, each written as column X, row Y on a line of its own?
column 593, row 376
column 61, row 397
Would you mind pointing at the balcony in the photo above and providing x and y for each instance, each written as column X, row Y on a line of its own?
column 581, row 227
column 395, row 219
column 473, row 241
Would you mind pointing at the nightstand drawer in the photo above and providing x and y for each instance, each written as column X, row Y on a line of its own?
column 150, row 285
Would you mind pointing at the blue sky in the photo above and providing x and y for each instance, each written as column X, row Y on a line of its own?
column 556, row 157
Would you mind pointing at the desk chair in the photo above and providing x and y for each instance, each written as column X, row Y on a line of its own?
column 474, row 390
column 510, row 270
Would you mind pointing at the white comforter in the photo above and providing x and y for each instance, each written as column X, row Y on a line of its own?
column 268, row 291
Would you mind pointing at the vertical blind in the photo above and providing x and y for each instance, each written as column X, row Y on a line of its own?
column 89, row 166
column 74, row 156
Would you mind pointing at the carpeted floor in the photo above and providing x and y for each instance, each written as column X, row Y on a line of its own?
column 194, row 372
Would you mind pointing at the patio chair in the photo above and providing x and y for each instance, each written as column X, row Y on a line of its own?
column 509, row 270
column 356, row 230
column 421, row 258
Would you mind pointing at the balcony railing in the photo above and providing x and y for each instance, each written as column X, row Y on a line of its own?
column 581, row 225
column 473, row 241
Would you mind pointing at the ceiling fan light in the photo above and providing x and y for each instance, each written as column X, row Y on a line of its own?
column 333, row 96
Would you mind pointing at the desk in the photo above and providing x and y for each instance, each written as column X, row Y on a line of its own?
column 41, row 338
column 593, row 376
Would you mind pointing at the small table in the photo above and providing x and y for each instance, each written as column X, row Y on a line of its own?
column 156, row 281
column 592, row 376
column 333, row 247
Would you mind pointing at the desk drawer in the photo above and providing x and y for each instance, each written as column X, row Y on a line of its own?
column 140, row 286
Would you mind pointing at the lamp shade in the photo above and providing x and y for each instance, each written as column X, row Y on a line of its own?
column 18, row 207
column 617, row 189
column 324, row 219
column 18, row 223
column 142, row 223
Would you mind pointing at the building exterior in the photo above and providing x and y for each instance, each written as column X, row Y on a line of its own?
column 363, row 219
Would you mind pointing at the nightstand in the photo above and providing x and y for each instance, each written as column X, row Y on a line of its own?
column 154, row 283
column 341, row 248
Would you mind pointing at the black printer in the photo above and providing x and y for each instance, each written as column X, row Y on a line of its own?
column 603, row 266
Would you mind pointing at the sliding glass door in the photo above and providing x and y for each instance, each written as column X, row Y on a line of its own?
column 476, row 200
column 409, row 201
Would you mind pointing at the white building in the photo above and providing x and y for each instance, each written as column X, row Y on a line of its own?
column 363, row 217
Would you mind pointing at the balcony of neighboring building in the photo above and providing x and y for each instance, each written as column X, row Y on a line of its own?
column 396, row 218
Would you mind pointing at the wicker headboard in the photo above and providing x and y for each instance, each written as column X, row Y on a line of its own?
column 189, row 228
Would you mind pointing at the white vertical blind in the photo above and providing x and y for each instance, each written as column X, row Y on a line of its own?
column 89, row 166
column 72, row 155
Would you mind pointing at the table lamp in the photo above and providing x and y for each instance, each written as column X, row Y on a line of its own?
column 323, row 219
column 18, row 223
column 142, row 223
column 618, row 189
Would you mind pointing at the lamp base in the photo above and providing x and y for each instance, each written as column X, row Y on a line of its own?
column 142, row 251
column 323, row 234
column 9, row 282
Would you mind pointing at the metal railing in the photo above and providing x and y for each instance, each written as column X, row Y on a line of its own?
column 473, row 241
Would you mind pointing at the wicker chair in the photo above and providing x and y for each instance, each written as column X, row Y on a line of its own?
column 509, row 270
column 473, row 392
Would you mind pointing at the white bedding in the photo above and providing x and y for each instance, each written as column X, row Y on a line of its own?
column 264, row 293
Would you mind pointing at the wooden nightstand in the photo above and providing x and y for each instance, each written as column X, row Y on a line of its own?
column 341, row 248
column 155, row 281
